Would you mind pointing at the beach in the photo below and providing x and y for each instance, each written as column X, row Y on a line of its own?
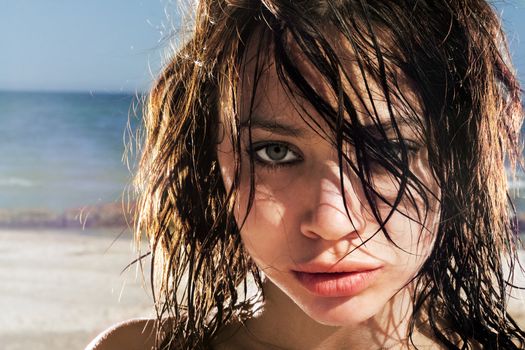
column 60, row 288
column 63, row 185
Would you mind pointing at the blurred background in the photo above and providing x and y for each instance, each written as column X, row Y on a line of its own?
column 73, row 75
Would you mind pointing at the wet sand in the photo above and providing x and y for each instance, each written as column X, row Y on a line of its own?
column 61, row 288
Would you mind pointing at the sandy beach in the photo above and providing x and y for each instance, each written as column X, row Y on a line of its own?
column 60, row 288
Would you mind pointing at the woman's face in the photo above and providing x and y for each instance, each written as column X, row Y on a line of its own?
column 299, row 232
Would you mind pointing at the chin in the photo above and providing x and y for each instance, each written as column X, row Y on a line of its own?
column 340, row 312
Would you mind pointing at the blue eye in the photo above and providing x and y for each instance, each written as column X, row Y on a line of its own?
column 274, row 153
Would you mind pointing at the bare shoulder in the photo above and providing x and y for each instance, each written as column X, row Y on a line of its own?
column 135, row 334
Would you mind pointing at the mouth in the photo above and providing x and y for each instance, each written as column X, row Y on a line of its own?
column 336, row 284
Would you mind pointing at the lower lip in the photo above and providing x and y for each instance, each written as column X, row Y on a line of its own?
column 338, row 284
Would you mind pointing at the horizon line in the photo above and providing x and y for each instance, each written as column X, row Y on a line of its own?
column 76, row 91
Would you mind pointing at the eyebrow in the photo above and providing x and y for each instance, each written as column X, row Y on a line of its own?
column 386, row 125
column 272, row 126
column 258, row 122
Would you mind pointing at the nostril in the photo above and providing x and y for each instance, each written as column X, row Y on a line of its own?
column 330, row 223
column 331, row 215
column 310, row 234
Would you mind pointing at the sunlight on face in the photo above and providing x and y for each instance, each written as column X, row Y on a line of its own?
column 299, row 232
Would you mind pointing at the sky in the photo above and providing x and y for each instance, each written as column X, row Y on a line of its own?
column 80, row 45
column 115, row 45
column 513, row 15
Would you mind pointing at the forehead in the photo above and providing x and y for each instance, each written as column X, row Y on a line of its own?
column 265, row 95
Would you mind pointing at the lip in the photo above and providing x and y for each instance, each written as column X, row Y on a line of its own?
column 336, row 282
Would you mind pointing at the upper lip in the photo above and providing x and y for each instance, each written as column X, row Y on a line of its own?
column 335, row 267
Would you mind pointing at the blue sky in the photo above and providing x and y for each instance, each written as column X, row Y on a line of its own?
column 103, row 45
column 513, row 14
column 111, row 45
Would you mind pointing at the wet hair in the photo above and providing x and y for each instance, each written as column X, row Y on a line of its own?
column 453, row 56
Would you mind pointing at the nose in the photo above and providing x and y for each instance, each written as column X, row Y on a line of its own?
column 326, row 216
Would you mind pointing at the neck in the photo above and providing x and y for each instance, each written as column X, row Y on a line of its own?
column 284, row 325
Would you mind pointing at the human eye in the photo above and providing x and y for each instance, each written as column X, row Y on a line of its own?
column 273, row 154
column 390, row 154
column 396, row 147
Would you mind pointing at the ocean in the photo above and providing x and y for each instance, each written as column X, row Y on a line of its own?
column 63, row 150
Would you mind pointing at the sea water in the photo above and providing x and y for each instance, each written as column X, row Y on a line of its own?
column 63, row 150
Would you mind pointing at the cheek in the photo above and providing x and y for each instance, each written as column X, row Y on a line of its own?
column 266, row 208
column 413, row 240
column 414, row 224
column 265, row 230
column 260, row 229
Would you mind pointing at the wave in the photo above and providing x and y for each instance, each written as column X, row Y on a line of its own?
column 16, row 182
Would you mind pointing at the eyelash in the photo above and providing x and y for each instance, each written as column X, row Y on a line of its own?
column 256, row 147
column 394, row 146
column 411, row 147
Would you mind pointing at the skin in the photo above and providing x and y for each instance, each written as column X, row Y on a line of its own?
column 298, row 218
column 136, row 334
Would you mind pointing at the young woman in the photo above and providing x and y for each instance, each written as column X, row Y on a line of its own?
column 347, row 158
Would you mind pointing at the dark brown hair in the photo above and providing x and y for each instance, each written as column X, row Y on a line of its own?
column 454, row 55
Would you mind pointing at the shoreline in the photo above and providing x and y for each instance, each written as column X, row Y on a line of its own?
column 111, row 215
column 102, row 216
